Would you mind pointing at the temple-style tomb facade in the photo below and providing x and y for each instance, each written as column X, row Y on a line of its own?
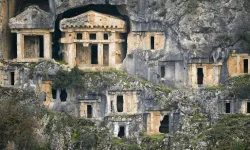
column 33, row 29
column 93, row 39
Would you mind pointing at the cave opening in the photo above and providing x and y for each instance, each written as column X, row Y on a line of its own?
column 164, row 128
column 121, row 133
column 54, row 93
column 113, row 10
column 63, row 96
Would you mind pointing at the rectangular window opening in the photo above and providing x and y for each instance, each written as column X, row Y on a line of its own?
column 92, row 36
column 89, row 111
column 228, row 108
column 41, row 47
column 12, row 78
column 200, row 76
column 120, row 103
column 152, row 42
column 245, row 65
column 79, row 36
column 162, row 71
column 105, row 36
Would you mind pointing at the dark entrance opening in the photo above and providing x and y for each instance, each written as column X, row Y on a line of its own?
column 13, row 45
column 94, row 54
column 121, row 132
column 105, row 54
column 89, row 111
column 119, row 103
column 164, row 128
column 12, row 78
column 245, row 65
column 152, row 42
column 200, row 76
column 41, row 47
column 162, row 71
column 248, row 107
column 54, row 93
column 63, row 95
column 228, row 108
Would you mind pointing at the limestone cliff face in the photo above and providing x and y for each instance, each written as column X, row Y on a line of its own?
column 195, row 26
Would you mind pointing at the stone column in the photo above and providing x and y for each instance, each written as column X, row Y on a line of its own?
column 99, row 36
column 85, row 36
column 116, row 129
column 112, row 49
column 127, row 130
column 114, row 97
column 194, row 75
column 47, row 46
column 72, row 54
column 20, row 46
column 238, row 64
column 216, row 74
column 100, row 54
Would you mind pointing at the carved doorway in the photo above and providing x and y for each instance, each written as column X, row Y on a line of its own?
column 94, row 54
column 200, row 76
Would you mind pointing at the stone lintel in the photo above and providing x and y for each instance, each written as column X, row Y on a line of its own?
column 113, row 92
column 93, row 30
column 32, row 31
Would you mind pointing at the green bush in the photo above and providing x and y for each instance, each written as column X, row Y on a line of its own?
column 240, row 86
column 231, row 132
column 16, row 125
column 69, row 79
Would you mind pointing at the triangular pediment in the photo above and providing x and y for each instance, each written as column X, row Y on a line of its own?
column 92, row 19
column 32, row 18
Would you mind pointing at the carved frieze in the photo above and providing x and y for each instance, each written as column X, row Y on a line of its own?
column 92, row 19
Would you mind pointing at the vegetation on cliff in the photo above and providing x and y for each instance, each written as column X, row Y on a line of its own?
column 231, row 132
